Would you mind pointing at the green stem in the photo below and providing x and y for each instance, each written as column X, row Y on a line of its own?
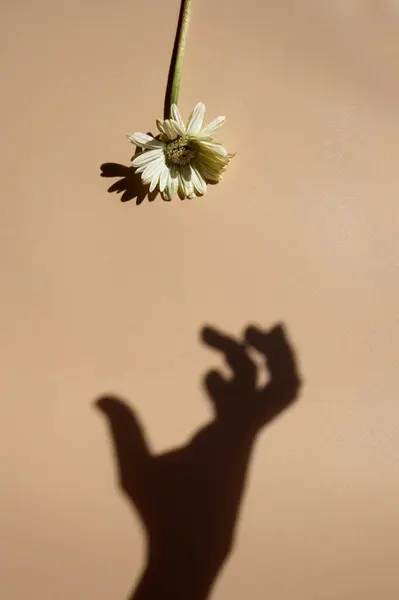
column 175, row 71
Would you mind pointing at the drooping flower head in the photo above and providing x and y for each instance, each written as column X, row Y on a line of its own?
column 181, row 159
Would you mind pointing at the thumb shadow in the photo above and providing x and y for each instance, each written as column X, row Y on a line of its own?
column 189, row 498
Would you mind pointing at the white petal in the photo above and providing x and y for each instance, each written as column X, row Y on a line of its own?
column 198, row 181
column 182, row 186
column 174, row 127
column 215, row 161
column 169, row 129
column 155, row 179
column 213, row 126
column 151, row 169
column 147, row 157
column 163, row 180
column 142, row 168
column 185, row 172
column 214, row 147
column 209, row 173
column 176, row 116
column 196, row 119
column 144, row 141
column 180, row 130
column 173, row 181
column 160, row 126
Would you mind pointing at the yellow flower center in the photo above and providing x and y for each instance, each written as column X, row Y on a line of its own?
column 180, row 151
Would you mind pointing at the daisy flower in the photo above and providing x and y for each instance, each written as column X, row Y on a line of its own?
column 182, row 158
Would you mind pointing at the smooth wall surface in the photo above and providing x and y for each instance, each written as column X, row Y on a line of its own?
column 102, row 296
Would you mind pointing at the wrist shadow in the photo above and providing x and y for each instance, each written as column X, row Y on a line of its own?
column 189, row 498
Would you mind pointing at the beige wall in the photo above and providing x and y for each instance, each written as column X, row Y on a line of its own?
column 103, row 296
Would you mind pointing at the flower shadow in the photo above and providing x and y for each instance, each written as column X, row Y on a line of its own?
column 129, row 184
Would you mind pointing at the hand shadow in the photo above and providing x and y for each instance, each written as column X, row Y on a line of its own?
column 189, row 498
